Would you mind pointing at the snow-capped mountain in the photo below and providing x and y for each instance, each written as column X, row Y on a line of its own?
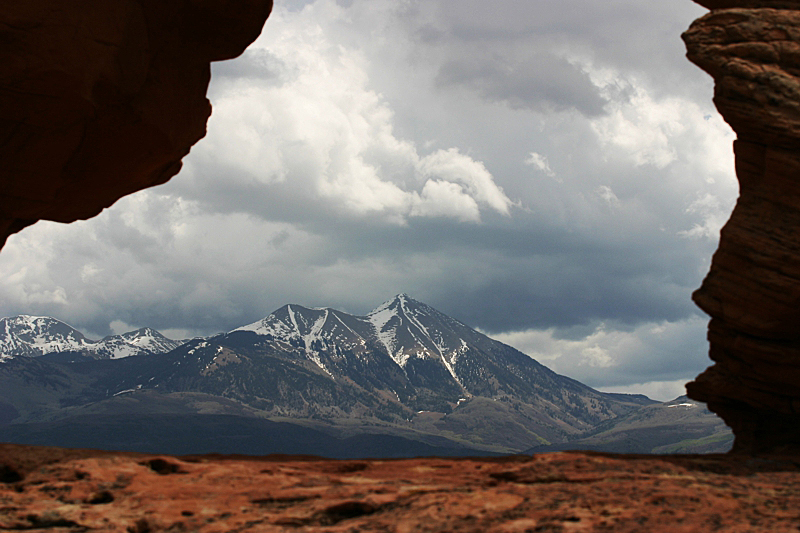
column 410, row 329
column 402, row 328
column 404, row 365
column 144, row 341
column 149, row 340
column 403, row 356
column 33, row 336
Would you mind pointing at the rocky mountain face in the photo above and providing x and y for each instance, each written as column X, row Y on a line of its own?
column 102, row 98
column 33, row 336
column 401, row 360
column 752, row 49
column 404, row 364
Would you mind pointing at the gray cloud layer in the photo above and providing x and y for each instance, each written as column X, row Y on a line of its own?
column 553, row 173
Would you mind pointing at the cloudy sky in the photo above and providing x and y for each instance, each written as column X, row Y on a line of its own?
column 552, row 173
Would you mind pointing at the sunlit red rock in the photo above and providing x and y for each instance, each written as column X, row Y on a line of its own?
column 43, row 488
column 102, row 98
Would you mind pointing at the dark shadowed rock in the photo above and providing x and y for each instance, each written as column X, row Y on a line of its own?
column 102, row 98
column 750, row 4
column 753, row 289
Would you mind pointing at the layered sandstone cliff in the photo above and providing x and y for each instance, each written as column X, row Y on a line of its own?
column 101, row 98
column 752, row 49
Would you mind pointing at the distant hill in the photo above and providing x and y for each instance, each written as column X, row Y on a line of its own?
column 212, row 433
column 679, row 426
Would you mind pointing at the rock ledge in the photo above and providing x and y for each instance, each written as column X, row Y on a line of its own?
column 80, row 490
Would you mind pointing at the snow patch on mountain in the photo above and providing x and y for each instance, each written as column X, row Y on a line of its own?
column 33, row 336
column 150, row 340
column 411, row 316
column 454, row 355
column 404, row 317
column 387, row 336
column 402, row 328
column 114, row 347
column 311, row 336
column 270, row 325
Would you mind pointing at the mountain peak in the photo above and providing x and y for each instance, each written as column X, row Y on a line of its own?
column 31, row 320
column 406, row 299
column 398, row 302
column 32, row 336
column 149, row 340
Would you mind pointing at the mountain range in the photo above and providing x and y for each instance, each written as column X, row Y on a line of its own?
column 32, row 336
column 405, row 371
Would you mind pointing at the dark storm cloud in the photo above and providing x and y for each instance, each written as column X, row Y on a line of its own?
column 515, row 274
column 629, row 34
column 539, row 82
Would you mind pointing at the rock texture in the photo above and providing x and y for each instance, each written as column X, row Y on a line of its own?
column 102, row 98
column 47, row 489
column 752, row 49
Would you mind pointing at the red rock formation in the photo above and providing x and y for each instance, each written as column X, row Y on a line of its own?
column 63, row 490
column 102, row 98
column 748, row 4
column 752, row 49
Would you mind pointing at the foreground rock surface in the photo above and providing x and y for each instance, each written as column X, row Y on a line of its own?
column 102, row 98
column 55, row 489
column 752, row 49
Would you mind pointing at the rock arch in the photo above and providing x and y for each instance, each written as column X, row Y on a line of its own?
column 101, row 98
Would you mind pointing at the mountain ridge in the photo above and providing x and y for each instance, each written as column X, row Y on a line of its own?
column 404, row 365
column 393, row 324
column 35, row 336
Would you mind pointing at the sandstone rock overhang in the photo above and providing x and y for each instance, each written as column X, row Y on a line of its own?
column 102, row 98
column 752, row 292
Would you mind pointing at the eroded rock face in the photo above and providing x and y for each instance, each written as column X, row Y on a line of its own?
column 102, row 98
column 752, row 49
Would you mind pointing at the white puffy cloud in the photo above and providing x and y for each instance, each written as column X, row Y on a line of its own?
column 653, row 358
column 315, row 131
column 713, row 214
column 445, row 198
column 605, row 192
column 540, row 162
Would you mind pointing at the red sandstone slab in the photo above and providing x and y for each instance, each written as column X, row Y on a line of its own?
column 62, row 490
